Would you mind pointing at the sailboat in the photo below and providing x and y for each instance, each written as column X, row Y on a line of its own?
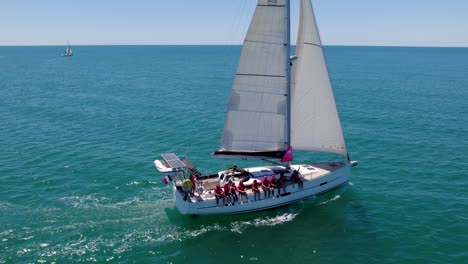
column 68, row 51
column 278, row 103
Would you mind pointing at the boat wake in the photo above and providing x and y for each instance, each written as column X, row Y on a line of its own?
column 241, row 226
column 336, row 197
column 92, row 201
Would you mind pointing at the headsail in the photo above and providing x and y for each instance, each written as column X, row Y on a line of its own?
column 256, row 121
column 315, row 124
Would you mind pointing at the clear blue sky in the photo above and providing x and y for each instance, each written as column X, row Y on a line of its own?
column 341, row 22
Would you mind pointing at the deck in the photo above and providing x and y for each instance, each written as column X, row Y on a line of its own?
column 307, row 172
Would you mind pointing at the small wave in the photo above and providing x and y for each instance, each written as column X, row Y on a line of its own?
column 5, row 205
column 134, row 183
column 241, row 226
column 86, row 201
column 128, row 202
column 142, row 183
column 181, row 235
column 91, row 201
column 6, row 232
column 331, row 200
column 280, row 219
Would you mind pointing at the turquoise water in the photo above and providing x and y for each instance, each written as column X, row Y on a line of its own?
column 78, row 137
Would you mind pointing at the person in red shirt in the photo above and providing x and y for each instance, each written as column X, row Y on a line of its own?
column 272, row 185
column 218, row 192
column 242, row 191
column 193, row 179
column 227, row 193
column 256, row 190
column 266, row 187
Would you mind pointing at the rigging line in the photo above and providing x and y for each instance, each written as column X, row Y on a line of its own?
column 238, row 30
column 229, row 37
column 236, row 20
column 272, row 162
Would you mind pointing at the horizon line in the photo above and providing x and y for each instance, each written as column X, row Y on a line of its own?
column 331, row 45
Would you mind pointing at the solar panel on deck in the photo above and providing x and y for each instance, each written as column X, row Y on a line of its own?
column 173, row 161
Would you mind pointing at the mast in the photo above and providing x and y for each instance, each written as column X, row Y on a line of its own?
column 288, row 69
column 288, row 73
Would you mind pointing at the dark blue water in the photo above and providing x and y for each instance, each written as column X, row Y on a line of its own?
column 78, row 137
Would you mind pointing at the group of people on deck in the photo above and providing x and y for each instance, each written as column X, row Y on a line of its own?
column 230, row 194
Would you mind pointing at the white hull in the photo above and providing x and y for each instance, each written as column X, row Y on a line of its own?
column 313, row 186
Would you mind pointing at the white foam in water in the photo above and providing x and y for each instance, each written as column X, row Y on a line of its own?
column 91, row 200
column 128, row 202
column 82, row 201
column 332, row 199
column 280, row 219
column 240, row 226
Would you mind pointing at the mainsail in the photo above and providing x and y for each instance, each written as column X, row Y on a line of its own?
column 315, row 124
column 256, row 121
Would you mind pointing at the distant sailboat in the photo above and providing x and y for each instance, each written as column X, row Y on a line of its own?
column 277, row 103
column 68, row 51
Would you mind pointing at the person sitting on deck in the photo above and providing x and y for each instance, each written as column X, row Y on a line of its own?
column 273, row 185
column 266, row 187
column 295, row 177
column 218, row 192
column 233, row 189
column 242, row 191
column 282, row 183
column 227, row 193
column 256, row 190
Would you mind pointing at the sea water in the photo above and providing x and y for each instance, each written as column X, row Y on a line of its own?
column 79, row 135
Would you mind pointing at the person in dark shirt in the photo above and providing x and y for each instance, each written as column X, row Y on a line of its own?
column 234, row 193
column 282, row 183
column 295, row 177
